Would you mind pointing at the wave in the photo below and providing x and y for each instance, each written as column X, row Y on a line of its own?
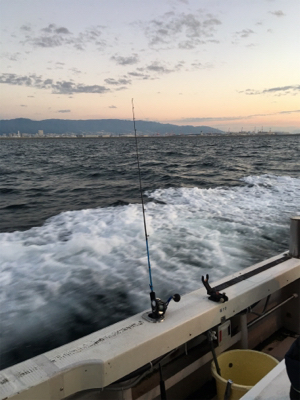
column 83, row 270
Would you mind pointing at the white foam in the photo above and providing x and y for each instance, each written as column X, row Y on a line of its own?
column 102, row 251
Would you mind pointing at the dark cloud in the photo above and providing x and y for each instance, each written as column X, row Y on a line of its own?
column 56, row 36
column 75, row 71
column 62, row 30
column 64, row 111
column 66, row 87
column 25, row 28
column 53, row 29
column 158, row 67
column 112, row 107
column 288, row 112
column 12, row 57
column 190, row 44
column 134, row 59
column 23, row 105
column 277, row 13
column 179, row 65
column 280, row 91
column 244, row 33
column 155, row 69
column 58, row 87
column 122, row 81
column 49, row 28
column 199, row 65
column 46, row 41
column 140, row 75
column 184, row 30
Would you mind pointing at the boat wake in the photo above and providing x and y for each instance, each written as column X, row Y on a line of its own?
column 84, row 270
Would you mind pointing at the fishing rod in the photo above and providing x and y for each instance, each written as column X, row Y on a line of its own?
column 158, row 306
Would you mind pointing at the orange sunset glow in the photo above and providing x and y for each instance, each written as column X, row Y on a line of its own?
column 230, row 65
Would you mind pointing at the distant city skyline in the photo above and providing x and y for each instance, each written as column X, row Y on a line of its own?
column 231, row 65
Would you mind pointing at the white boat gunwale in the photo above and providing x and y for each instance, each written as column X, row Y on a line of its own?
column 105, row 356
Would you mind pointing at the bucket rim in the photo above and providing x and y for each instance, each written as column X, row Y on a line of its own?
column 248, row 351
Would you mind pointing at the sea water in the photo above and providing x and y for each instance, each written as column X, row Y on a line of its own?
column 72, row 246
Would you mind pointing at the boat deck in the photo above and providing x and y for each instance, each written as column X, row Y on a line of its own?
column 275, row 385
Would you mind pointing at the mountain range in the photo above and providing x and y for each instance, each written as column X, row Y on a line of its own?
column 99, row 126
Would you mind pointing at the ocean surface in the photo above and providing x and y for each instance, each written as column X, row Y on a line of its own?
column 72, row 247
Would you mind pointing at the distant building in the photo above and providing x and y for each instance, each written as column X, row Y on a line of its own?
column 40, row 132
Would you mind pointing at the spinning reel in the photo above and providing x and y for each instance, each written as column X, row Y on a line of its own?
column 159, row 307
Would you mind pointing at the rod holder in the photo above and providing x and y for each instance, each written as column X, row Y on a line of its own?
column 295, row 237
column 159, row 308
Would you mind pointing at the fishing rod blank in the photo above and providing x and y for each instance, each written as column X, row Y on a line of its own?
column 141, row 193
column 158, row 306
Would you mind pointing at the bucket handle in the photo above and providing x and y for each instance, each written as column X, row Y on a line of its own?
column 228, row 389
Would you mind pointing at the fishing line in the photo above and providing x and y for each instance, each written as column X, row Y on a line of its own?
column 141, row 193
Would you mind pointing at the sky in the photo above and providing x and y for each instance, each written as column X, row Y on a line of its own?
column 229, row 64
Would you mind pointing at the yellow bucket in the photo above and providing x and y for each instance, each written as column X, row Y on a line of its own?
column 244, row 367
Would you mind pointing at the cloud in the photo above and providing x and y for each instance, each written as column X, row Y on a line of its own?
column 198, row 65
column 54, row 30
column 75, row 70
column 184, row 30
column 112, row 107
column 122, row 81
column 279, row 91
column 67, row 87
column 58, row 87
column 12, row 56
column 244, row 33
column 140, row 75
column 158, row 67
column 134, row 59
column 288, row 112
column 25, row 28
column 56, row 36
column 154, row 69
column 277, row 13
column 64, row 111
column 232, row 118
